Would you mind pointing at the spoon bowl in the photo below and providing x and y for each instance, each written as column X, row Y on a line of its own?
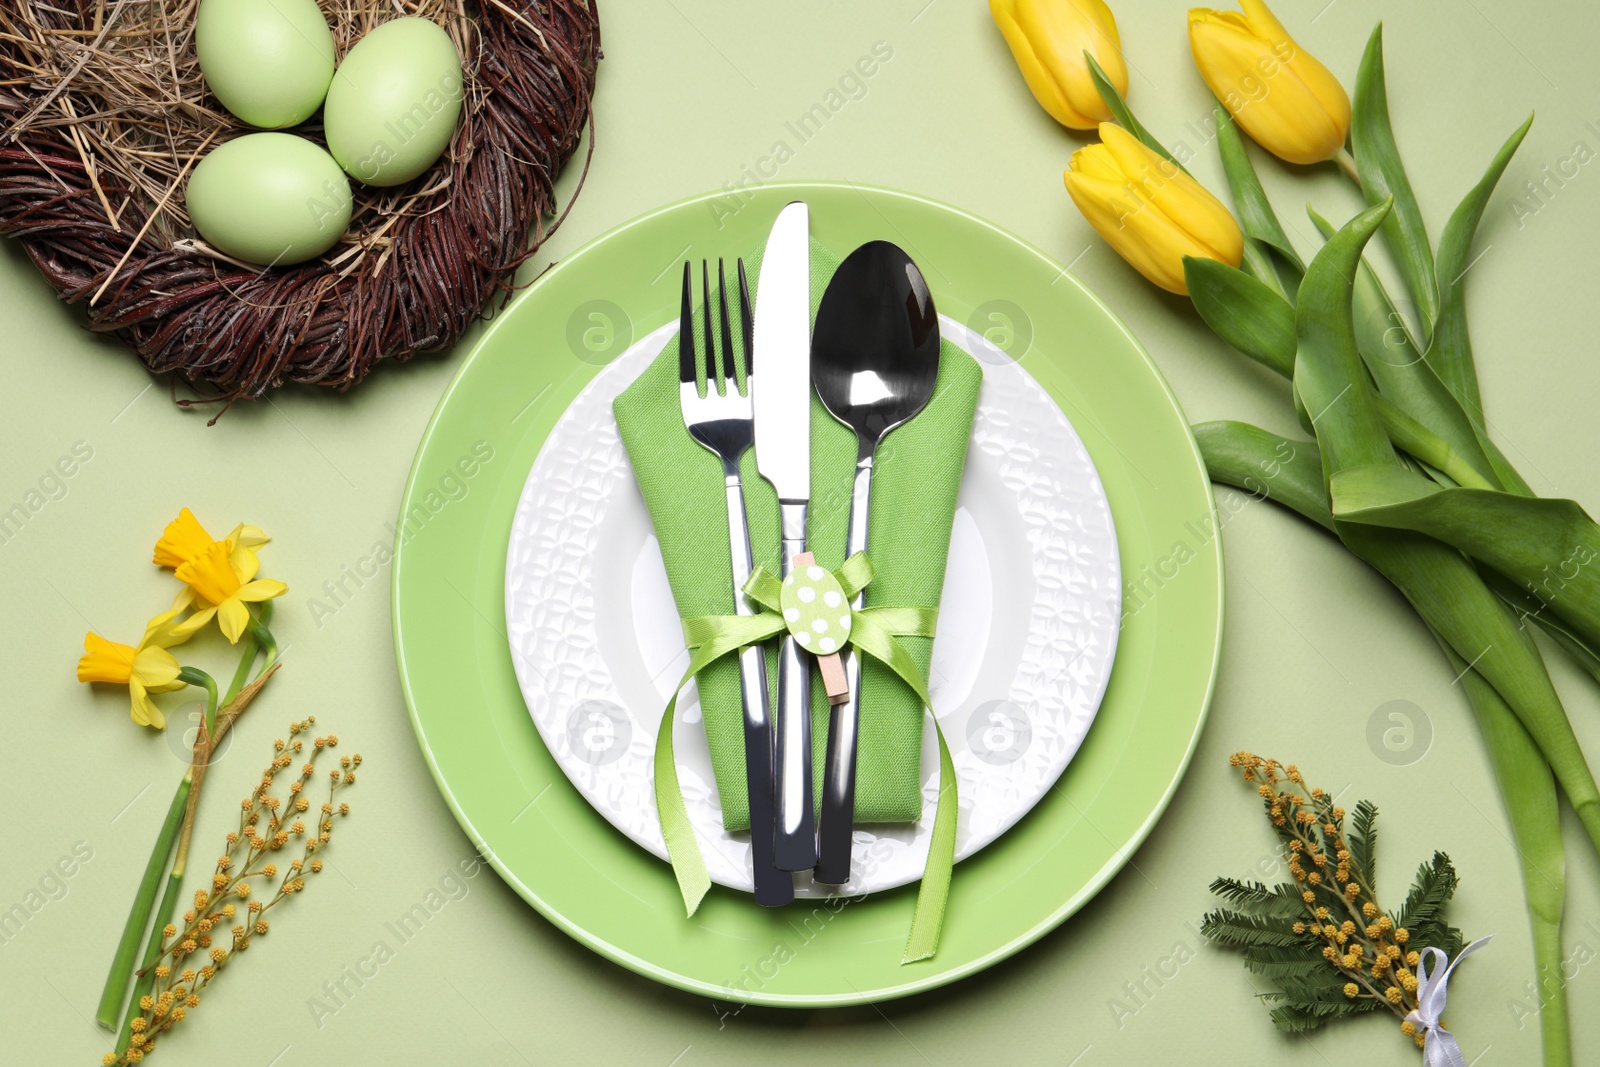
column 875, row 347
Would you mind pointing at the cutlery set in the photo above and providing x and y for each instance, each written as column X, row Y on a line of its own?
column 873, row 361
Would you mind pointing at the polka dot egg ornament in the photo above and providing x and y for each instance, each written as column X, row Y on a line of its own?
column 815, row 609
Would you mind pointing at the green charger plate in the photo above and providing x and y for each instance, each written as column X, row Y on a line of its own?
column 584, row 875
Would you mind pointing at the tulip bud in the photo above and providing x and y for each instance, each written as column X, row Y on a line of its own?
column 1148, row 209
column 1048, row 39
column 1286, row 100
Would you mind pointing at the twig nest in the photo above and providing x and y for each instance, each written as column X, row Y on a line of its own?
column 107, row 118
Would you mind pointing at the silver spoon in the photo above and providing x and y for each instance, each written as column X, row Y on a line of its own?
column 874, row 360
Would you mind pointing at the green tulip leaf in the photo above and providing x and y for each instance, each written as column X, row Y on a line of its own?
column 1124, row 115
column 1577, row 650
column 1530, row 608
column 1438, row 581
column 1267, row 466
column 1451, row 349
column 1384, row 176
column 1256, row 261
column 1549, row 546
column 1301, row 415
column 1510, row 480
column 1421, row 443
column 1249, row 198
column 1452, row 598
column 1418, row 401
column 1243, row 311
column 1328, row 373
column 1528, row 790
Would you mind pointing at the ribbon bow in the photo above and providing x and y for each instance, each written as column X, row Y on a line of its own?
column 873, row 631
column 1439, row 1048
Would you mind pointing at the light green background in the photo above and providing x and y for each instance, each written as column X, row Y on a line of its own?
column 688, row 99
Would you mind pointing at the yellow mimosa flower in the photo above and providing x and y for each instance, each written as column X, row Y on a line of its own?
column 1287, row 101
column 1148, row 209
column 145, row 669
column 224, row 580
column 184, row 539
column 1048, row 39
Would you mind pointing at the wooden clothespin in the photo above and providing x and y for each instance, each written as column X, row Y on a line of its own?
column 829, row 664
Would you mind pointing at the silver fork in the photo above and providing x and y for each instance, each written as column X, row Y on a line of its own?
column 721, row 421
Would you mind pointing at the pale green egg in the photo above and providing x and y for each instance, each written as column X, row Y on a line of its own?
column 269, row 198
column 394, row 102
column 268, row 61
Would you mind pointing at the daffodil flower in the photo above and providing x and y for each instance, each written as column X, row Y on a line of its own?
column 145, row 669
column 223, row 579
column 184, row 539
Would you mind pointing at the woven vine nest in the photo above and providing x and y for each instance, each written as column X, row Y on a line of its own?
column 104, row 114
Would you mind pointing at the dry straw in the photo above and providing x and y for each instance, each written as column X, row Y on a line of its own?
column 105, row 113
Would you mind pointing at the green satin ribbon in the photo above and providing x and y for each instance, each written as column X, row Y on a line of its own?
column 873, row 632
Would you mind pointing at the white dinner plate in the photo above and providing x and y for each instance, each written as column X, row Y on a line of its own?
column 1027, row 632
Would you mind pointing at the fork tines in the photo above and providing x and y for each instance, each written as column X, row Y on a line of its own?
column 721, row 375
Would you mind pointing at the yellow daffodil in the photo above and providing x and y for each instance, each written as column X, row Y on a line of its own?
column 1148, row 209
column 222, row 578
column 145, row 669
column 1280, row 94
column 1048, row 39
column 184, row 539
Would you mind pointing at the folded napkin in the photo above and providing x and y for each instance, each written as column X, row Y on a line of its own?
column 918, row 471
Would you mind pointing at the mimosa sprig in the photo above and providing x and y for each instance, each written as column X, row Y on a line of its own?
column 1322, row 940
column 272, row 823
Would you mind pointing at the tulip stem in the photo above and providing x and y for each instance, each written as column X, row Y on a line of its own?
column 1258, row 264
column 1347, row 163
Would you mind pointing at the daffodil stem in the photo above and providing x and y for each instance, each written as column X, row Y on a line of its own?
column 111, row 999
column 1347, row 163
column 192, row 780
column 247, row 659
column 196, row 676
column 269, row 644
column 251, row 643
column 147, row 974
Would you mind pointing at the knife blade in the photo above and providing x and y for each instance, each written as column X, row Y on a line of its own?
column 782, row 393
column 781, row 398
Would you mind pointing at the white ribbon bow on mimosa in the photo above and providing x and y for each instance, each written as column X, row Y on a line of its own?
column 1439, row 1047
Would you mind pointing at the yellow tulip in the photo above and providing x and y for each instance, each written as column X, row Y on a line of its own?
column 1280, row 94
column 145, row 669
column 184, row 539
column 1048, row 39
column 1148, row 209
column 223, row 578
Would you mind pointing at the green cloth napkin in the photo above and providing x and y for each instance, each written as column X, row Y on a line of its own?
column 918, row 471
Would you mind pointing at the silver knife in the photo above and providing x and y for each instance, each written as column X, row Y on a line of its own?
column 781, row 395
